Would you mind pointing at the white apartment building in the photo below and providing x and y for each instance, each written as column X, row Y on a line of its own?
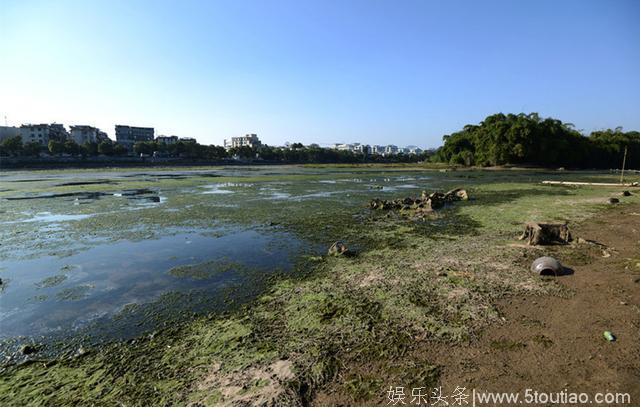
column 83, row 134
column 249, row 140
column 390, row 150
column 42, row 133
column 377, row 149
column 362, row 148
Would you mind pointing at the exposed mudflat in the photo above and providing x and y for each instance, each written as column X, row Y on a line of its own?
column 552, row 343
column 212, row 286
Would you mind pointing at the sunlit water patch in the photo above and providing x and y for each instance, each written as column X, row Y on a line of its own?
column 48, row 217
column 53, row 294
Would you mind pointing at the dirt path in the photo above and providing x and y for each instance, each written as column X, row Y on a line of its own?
column 551, row 344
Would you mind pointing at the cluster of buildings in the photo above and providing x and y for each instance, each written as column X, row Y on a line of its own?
column 252, row 140
column 42, row 133
column 126, row 135
column 376, row 149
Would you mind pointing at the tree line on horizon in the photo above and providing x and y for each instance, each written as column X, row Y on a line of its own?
column 500, row 139
column 529, row 140
column 296, row 153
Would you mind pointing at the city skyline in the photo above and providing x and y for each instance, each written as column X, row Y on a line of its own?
column 320, row 72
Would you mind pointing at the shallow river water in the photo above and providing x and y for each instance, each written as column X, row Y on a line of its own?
column 101, row 248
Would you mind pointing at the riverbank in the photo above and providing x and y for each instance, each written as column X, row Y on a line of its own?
column 340, row 329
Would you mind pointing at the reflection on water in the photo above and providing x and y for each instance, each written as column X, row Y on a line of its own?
column 53, row 294
column 48, row 217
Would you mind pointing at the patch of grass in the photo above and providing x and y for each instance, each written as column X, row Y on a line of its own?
column 506, row 344
column 543, row 340
column 206, row 269
column 363, row 387
column 51, row 281
column 74, row 293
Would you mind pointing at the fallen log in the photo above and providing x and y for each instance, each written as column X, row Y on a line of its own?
column 595, row 184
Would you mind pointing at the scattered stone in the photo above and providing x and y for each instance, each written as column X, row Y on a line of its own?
column 337, row 249
column 626, row 193
column 427, row 202
column 546, row 233
column 613, row 201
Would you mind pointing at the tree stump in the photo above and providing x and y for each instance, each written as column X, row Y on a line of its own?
column 337, row 249
column 546, row 233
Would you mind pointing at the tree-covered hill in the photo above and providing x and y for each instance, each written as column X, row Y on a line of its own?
column 528, row 139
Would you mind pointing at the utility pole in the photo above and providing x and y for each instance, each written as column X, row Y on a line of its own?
column 624, row 161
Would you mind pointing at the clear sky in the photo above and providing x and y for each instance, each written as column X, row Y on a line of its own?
column 378, row 72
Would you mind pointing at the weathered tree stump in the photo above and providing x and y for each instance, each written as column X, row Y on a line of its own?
column 546, row 233
column 337, row 249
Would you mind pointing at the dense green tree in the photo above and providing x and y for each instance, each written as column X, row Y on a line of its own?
column 105, row 147
column 71, row 147
column 56, row 147
column 90, row 148
column 145, row 147
column 528, row 139
column 11, row 146
column 119, row 149
column 31, row 149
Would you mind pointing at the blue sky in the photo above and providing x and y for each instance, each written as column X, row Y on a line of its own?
column 378, row 72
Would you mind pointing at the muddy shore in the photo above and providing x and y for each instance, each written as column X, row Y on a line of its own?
column 445, row 300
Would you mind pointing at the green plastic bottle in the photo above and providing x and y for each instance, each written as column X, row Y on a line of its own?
column 609, row 336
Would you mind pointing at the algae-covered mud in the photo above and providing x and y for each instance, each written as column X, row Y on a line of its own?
column 212, row 286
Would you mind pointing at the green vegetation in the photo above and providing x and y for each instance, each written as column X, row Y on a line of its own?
column 528, row 139
column 500, row 139
column 350, row 324
column 205, row 270
column 51, row 281
column 186, row 150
